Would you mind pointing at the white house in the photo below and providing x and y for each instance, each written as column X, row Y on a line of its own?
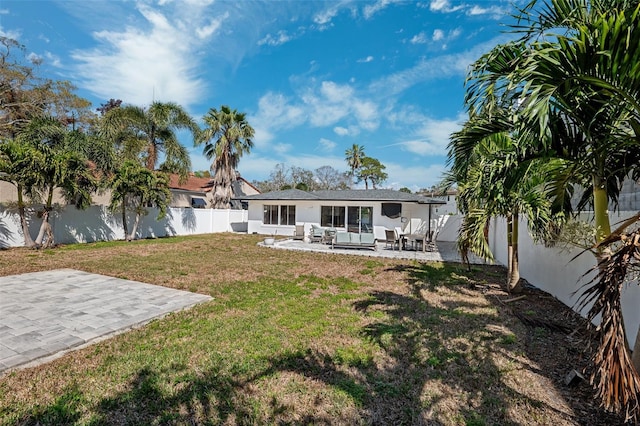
column 277, row 212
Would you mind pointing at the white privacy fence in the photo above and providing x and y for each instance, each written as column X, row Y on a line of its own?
column 96, row 223
column 555, row 270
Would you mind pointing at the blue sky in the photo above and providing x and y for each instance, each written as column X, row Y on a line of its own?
column 313, row 77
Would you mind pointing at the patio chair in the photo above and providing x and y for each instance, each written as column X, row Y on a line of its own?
column 391, row 238
column 299, row 233
column 316, row 234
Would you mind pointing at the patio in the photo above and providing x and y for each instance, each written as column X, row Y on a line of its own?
column 445, row 251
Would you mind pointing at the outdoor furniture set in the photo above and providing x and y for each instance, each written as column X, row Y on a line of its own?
column 395, row 238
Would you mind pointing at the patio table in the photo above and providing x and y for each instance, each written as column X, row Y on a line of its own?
column 414, row 239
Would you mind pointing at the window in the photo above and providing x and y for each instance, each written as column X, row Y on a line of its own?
column 391, row 210
column 287, row 215
column 198, row 203
column 332, row 216
column 270, row 215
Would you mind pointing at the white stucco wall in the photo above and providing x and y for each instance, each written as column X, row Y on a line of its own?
column 308, row 213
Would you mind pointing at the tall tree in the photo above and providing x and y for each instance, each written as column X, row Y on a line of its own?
column 146, row 134
column 493, row 180
column 573, row 80
column 329, row 178
column 135, row 188
column 227, row 137
column 354, row 156
column 61, row 168
column 371, row 170
column 19, row 164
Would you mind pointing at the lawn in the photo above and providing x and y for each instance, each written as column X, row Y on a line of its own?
column 308, row 338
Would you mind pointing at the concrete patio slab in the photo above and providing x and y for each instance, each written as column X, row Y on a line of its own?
column 445, row 251
column 45, row 314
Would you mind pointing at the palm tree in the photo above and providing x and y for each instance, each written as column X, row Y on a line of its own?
column 354, row 156
column 60, row 167
column 227, row 137
column 134, row 186
column 493, row 181
column 576, row 94
column 18, row 165
column 147, row 133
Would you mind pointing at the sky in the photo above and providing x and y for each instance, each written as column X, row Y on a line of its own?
column 313, row 77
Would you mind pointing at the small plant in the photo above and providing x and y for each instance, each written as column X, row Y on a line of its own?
column 509, row 339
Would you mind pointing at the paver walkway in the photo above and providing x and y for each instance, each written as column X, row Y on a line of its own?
column 45, row 314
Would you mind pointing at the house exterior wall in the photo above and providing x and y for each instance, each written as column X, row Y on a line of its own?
column 9, row 194
column 308, row 213
column 181, row 198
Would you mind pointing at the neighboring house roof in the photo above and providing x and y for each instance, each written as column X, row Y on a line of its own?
column 199, row 184
column 389, row 195
column 193, row 183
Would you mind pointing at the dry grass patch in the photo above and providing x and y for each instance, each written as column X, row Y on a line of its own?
column 300, row 338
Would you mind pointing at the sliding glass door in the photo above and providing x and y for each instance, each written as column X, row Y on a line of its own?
column 359, row 219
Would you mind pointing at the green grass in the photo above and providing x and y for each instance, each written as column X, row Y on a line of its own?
column 289, row 338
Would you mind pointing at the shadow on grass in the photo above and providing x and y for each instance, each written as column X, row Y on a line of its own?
column 428, row 351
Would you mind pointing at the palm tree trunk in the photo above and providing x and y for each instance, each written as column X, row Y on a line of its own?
column 45, row 226
column 635, row 357
column 134, row 229
column 124, row 218
column 603, row 229
column 28, row 241
column 514, row 284
column 600, row 209
column 509, row 246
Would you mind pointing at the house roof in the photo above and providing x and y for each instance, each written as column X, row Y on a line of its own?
column 193, row 183
column 389, row 195
column 198, row 184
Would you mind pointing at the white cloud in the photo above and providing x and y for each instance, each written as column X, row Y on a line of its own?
column 415, row 177
column 365, row 60
column 437, row 67
column 282, row 148
column 419, row 38
column 274, row 112
column 325, row 17
column 153, row 61
column 34, row 58
column 53, row 59
column 12, row 34
column 346, row 131
column 327, row 145
column 213, row 26
column 496, row 11
column 443, row 6
column 438, row 35
column 275, row 40
column 371, row 9
column 431, row 138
